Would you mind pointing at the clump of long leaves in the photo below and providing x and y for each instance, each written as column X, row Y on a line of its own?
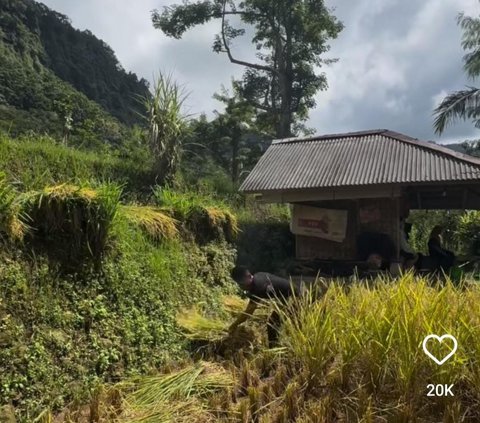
column 166, row 125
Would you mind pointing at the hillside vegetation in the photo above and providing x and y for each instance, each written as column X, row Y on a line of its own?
column 56, row 79
column 90, row 284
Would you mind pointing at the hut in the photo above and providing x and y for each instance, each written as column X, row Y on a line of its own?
column 342, row 185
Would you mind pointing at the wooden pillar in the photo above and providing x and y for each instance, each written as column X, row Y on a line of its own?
column 395, row 267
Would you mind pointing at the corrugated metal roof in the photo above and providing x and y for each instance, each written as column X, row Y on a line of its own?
column 357, row 158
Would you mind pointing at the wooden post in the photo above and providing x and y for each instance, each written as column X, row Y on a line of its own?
column 395, row 267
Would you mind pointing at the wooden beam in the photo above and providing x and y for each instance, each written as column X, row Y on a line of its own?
column 302, row 195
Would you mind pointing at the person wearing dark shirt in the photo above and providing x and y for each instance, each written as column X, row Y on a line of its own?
column 259, row 287
column 443, row 258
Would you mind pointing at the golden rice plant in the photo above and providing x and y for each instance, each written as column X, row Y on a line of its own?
column 155, row 223
column 371, row 336
column 211, row 223
column 12, row 219
column 233, row 304
column 198, row 327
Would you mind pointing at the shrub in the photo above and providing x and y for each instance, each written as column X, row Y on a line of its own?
column 265, row 242
column 468, row 232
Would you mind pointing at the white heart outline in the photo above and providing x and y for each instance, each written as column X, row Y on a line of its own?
column 440, row 339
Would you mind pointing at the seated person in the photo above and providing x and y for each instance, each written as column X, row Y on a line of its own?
column 443, row 258
column 377, row 249
column 375, row 261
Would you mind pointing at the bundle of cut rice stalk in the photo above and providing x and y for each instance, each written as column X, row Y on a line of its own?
column 11, row 216
column 212, row 223
column 233, row 304
column 176, row 396
column 156, row 224
column 73, row 222
column 197, row 327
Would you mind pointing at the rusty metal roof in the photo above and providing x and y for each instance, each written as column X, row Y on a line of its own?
column 357, row 158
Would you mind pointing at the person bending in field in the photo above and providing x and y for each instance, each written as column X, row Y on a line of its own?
column 258, row 287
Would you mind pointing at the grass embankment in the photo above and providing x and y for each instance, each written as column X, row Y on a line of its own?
column 36, row 162
column 355, row 355
column 90, row 288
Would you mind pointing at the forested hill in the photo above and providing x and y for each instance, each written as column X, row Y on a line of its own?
column 56, row 72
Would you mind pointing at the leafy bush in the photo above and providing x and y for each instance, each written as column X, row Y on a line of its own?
column 265, row 242
column 468, row 232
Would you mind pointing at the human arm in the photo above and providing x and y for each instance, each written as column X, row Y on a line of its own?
column 251, row 307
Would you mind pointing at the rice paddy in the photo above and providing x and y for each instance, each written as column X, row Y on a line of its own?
column 353, row 355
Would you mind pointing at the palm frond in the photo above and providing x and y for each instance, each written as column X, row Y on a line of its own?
column 459, row 105
column 472, row 63
column 470, row 43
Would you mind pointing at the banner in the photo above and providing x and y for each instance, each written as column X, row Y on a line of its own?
column 321, row 223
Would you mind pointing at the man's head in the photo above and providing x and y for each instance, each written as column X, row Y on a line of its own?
column 375, row 261
column 242, row 276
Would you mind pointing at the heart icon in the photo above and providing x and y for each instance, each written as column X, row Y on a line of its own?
column 440, row 339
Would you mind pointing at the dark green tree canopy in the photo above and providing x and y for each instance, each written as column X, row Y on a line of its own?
column 290, row 37
column 45, row 40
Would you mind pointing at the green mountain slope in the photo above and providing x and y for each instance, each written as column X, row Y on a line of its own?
column 56, row 79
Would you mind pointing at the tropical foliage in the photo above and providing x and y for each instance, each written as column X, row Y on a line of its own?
column 463, row 104
column 166, row 126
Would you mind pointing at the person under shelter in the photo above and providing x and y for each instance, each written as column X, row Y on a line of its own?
column 442, row 258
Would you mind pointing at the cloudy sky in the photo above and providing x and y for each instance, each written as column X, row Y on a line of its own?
column 398, row 58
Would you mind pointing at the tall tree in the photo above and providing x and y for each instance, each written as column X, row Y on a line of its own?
column 231, row 140
column 464, row 104
column 290, row 36
column 233, row 126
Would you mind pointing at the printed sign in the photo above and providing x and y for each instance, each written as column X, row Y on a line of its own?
column 321, row 223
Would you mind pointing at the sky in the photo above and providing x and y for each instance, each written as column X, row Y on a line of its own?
column 397, row 60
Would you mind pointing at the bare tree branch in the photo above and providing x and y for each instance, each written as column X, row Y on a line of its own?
column 229, row 52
